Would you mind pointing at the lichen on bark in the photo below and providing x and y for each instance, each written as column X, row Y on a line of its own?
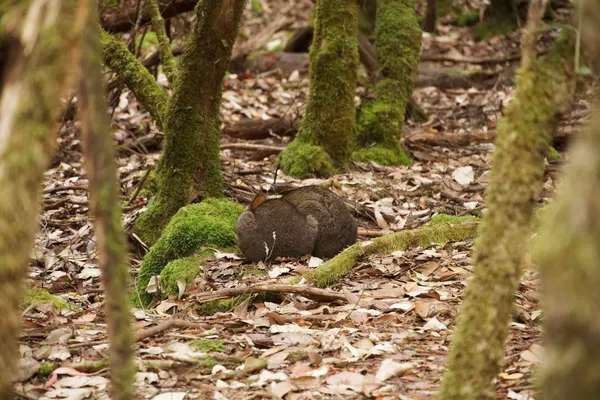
column 324, row 143
column 381, row 120
column 189, row 166
column 523, row 136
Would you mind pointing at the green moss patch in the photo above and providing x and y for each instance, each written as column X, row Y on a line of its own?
column 304, row 160
column 183, row 269
column 207, row 346
column 35, row 296
column 210, row 223
column 383, row 156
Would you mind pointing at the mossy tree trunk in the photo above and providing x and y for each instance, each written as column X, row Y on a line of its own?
column 324, row 143
column 40, row 45
column 568, row 258
column 106, row 207
column 524, row 135
column 189, row 166
column 381, row 120
column 568, row 255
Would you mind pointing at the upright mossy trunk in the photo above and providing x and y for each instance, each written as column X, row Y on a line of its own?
column 523, row 136
column 381, row 120
column 105, row 204
column 190, row 165
column 39, row 46
column 568, row 256
column 324, row 143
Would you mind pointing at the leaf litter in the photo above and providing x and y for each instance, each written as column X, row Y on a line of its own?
column 387, row 335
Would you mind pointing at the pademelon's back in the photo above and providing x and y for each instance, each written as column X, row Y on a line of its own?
column 275, row 228
column 337, row 227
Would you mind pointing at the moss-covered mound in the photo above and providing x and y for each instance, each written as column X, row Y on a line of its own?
column 207, row 224
column 183, row 269
column 34, row 296
column 304, row 160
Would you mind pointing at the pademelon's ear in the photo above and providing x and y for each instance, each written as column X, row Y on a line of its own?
column 258, row 200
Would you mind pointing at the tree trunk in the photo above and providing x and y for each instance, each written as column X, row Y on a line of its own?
column 524, row 135
column 430, row 16
column 569, row 258
column 381, row 120
column 105, row 204
column 190, row 166
column 568, row 254
column 324, row 142
column 40, row 44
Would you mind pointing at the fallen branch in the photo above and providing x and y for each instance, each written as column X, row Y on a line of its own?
column 252, row 129
column 166, row 325
column 434, row 232
column 255, row 147
column 320, row 295
column 116, row 20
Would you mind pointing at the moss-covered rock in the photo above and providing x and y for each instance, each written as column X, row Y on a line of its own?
column 381, row 120
column 210, row 223
column 183, row 269
column 35, row 296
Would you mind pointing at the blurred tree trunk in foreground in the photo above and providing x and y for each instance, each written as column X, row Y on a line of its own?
column 523, row 138
column 569, row 259
column 41, row 40
column 106, row 207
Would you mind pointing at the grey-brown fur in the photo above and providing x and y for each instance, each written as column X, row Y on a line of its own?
column 275, row 229
column 306, row 220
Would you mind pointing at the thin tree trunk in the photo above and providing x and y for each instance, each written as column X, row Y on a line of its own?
column 41, row 40
column 105, row 204
column 524, row 135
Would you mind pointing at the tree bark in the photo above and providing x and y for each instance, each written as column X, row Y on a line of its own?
column 568, row 253
column 189, row 166
column 524, row 135
column 381, row 120
column 41, row 41
column 105, row 205
column 324, row 142
column 430, row 16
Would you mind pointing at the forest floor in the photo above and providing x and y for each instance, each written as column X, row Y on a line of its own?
column 387, row 340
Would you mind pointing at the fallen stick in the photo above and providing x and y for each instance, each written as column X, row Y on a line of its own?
column 306, row 291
